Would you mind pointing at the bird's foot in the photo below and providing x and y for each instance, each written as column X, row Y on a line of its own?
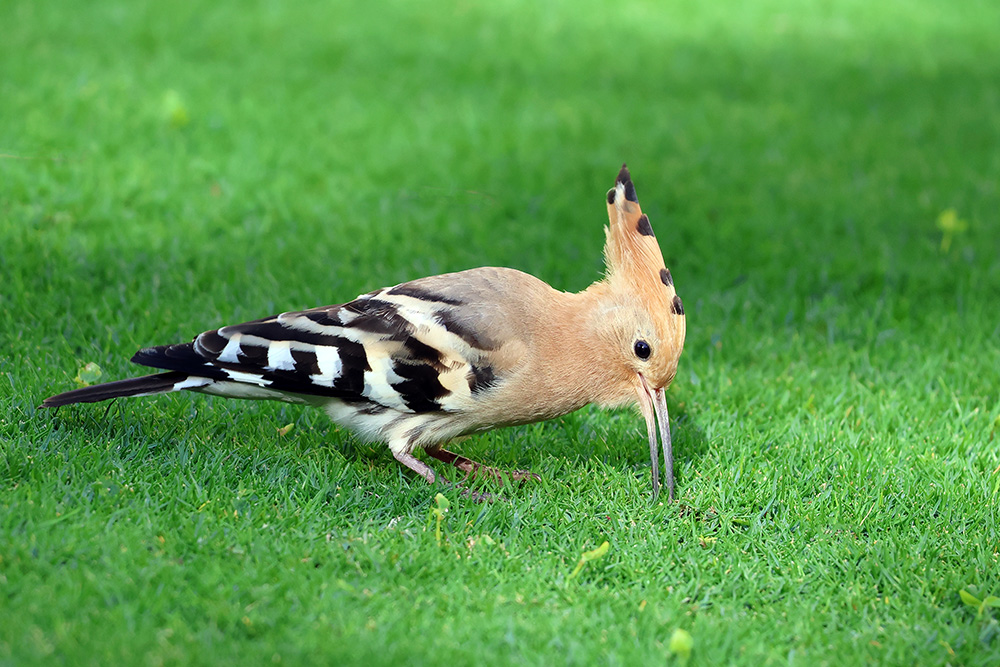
column 474, row 470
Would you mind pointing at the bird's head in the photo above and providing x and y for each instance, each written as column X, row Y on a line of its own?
column 646, row 317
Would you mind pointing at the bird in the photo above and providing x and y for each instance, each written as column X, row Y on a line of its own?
column 423, row 362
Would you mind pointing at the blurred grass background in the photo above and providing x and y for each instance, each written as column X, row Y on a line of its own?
column 823, row 179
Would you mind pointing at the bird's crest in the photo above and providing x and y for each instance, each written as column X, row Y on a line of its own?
column 634, row 261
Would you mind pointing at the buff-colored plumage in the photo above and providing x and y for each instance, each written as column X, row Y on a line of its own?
column 420, row 363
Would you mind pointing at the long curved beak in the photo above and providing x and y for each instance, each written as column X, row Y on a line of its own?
column 653, row 403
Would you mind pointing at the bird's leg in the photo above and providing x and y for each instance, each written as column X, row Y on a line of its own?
column 415, row 464
column 472, row 468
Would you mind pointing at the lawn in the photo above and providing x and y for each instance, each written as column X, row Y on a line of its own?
column 823, row 178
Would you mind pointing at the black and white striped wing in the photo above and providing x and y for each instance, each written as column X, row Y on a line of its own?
column 391, row 349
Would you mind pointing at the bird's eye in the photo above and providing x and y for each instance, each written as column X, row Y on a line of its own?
column 642, row 349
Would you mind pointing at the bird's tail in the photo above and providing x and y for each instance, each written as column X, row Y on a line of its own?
column 142, row 386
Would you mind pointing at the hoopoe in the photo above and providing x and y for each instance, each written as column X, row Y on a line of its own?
column 425, row 361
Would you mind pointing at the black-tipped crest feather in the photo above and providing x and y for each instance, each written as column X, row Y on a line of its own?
column 626, row 179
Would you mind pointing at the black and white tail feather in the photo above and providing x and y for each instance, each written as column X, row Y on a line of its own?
column 142, row 386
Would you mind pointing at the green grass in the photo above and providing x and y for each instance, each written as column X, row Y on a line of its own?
column 169, row 168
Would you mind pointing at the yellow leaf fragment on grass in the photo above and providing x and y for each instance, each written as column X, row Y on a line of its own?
column 482, row 538
column 285, row 429
column 442, row 502
column 968, row 598
column 588, row 556
column 951, row 226
column 175, row 112
column 681, row 643
column 88, row 375
column 343, row 586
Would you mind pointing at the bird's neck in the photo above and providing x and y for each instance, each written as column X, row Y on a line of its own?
column 579, row 353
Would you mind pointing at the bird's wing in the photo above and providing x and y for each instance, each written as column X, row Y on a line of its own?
column 422, row 346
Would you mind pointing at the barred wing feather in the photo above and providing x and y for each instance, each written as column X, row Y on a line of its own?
column 396, row 348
